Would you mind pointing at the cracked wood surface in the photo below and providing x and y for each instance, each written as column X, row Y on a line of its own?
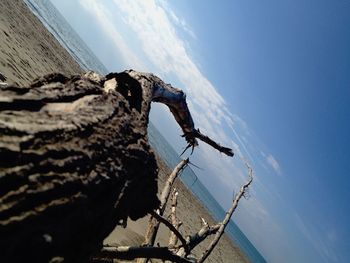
column 74, row 160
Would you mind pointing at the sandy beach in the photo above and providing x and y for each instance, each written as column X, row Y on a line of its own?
column 189, row 211
column 28, row 50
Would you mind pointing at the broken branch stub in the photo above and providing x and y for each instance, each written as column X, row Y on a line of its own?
column 174, row 221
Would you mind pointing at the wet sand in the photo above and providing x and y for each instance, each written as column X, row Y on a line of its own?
column 28, row 50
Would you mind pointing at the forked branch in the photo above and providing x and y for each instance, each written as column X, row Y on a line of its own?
column 153, row 225
column 228, row 216
column 180, row 253
column 171, row 227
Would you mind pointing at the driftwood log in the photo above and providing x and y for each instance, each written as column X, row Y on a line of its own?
column 75, row 161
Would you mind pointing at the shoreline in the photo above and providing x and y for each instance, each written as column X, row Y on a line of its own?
column 28, row 50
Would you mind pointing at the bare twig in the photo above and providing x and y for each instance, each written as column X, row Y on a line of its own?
column 228, row 215
column 153, row 225
column 169, row 182
column 171, row 227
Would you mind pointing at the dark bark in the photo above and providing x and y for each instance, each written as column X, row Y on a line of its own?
column 74, row 160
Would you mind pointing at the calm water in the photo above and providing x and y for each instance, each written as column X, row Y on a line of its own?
column 64, row 33
column 70, row 40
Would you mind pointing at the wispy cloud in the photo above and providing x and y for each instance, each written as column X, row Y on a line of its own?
column 154, row 24
column 273, row 163
column 168, row 53
column 322, row 240
column 104, row 18
column 157, row 35
column 178, row 21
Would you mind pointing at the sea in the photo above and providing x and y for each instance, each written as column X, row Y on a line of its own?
column 70, row 40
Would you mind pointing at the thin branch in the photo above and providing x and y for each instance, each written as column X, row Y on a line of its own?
column 198, row 237
column 169, row 182
column 153, row 224
column 202, row 234
column 174, row 221
column 197, row 134
column 130, row 253
column 165, row 253
column 228, row 216
column 170, row 226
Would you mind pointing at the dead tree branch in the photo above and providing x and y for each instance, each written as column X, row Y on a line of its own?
column 171, row 227
column 168, row 184
column 228, row 216
column 130, row 253
column 197, row 134
column 153, row 225
column 174, row 221
column 197, row 238
column 175, row 99
column 180, row 253
column 202, row 234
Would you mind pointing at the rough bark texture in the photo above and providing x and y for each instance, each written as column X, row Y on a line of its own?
column 74, row 160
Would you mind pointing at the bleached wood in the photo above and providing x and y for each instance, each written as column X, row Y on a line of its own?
column 173, row 218
column 153, row 224
column 228, row 216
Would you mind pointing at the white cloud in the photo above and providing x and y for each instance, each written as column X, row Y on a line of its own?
column 154, row 26
column 179, row 21
column 273, row 163
column 158, row 38
column 104, row 18
column 168, row 53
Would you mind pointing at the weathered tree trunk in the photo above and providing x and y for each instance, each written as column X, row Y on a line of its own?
column 74, row 161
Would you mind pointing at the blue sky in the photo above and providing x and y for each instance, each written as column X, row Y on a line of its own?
column 270, row 79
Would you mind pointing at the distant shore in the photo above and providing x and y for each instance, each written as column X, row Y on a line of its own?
column 28, row 50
